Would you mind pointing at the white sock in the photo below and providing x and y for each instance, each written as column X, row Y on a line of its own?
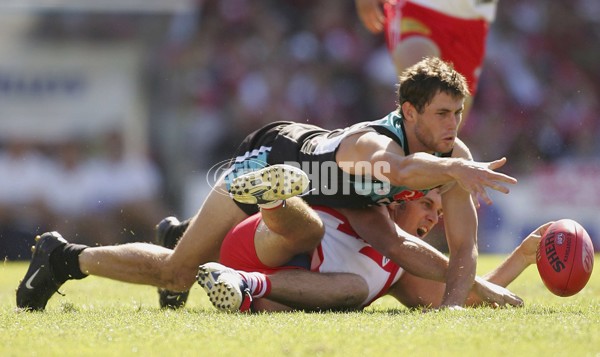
column 258, row 283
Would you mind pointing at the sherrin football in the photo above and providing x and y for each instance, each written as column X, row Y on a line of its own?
column 565, row 257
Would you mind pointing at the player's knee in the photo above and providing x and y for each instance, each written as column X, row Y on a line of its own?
column 315, row 232
column 412, row 50
column 416, row 302
column 179, row 278
column 354, row 293
column 354, row 299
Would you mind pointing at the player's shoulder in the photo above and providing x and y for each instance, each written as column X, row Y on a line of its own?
column 369, row 141
column 461, row 150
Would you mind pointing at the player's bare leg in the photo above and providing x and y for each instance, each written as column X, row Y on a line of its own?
column 286, row 231
column 140, row 263
column 312, row 291
column 144, row 263
column 412, row 50
column 289, row 226
column 57, row 261
column 231, row 290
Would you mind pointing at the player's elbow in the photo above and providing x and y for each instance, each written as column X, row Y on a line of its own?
column 346, row 292
column 474, row 252
column 397, row 250
column 467, row 254
column 353, row 296
column 407, row 171
column 397, row 170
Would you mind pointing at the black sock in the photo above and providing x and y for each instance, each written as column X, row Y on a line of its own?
column 65, row 262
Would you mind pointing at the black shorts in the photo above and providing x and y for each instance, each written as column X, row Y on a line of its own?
column 276, row 143
column 313, row 150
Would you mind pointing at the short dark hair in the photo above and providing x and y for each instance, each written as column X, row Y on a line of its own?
column 422, row 81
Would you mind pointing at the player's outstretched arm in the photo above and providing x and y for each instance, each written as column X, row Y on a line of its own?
column 520, row 258
column 373, row 224
column 424, row 261
column 422, row 170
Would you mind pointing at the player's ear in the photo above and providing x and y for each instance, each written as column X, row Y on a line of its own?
column 409, row 111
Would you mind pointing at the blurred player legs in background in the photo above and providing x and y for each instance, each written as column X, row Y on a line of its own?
column 455, row 31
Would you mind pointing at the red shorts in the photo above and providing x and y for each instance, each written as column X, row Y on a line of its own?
column 461, row 41
column 340, row 251
column 238, row 251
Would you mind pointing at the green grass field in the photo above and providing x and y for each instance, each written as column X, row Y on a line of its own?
column 105, row 318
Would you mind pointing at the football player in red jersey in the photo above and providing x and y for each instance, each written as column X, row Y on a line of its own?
column 346, row 272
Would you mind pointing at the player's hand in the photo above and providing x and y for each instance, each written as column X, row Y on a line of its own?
column 529, row 245
column 495, row 295
column 475, row 177
column 371, row 14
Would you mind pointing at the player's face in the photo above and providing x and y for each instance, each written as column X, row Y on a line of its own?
column 418, row 217
column 435, row 129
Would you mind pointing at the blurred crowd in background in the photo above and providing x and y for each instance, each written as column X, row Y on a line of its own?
column 85, row 189
column 213, row 74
